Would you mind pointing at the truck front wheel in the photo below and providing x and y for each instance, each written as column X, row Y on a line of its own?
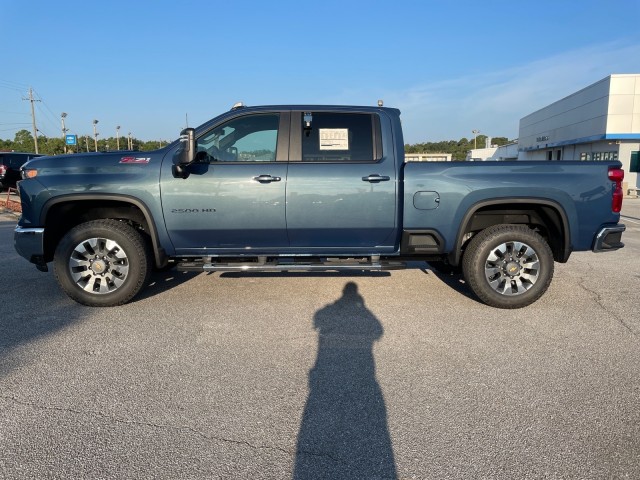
column 508, row 266
column 102, row 263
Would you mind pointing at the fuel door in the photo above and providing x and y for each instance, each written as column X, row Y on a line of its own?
column 426, row 200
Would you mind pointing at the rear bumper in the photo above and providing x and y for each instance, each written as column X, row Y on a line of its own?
column 608, row 239
column 29, row 243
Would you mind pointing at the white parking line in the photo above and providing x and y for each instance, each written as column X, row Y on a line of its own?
column 627, row 219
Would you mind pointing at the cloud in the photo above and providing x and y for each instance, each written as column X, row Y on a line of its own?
column 495, row 101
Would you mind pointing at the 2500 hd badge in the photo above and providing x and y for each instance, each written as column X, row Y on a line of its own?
column 193, row 210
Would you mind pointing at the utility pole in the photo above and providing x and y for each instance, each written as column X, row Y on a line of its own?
column 130, row 142
column 95, row 134
column 33, row 117
column 475, row 137
column 118, row 137
column 64, row 131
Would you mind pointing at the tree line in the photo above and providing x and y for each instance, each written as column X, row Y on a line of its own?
column 23, row 142
column 457, row 148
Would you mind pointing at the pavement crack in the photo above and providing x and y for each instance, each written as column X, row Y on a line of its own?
column 122, row 421
column 598, row 299
column 110, row 418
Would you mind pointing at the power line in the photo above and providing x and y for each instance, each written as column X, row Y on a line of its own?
column 54, row 116
column 13, row 86
column 46, row 117
column 51, row 117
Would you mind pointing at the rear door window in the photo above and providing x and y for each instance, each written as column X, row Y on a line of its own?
column 337, row 137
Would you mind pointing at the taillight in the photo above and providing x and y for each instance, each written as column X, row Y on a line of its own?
column 616, row 175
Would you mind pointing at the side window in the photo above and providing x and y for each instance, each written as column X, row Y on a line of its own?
column 337, row 137
column 252, row 138
column 15, row 161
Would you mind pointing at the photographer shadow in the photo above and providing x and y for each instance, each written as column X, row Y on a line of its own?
column 344, row 432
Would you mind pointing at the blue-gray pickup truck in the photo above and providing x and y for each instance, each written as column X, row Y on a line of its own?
column 312, row 188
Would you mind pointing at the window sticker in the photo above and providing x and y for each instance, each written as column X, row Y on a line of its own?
column 334, row 138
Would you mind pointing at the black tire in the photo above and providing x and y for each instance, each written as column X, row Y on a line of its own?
column 508, row 266
column 102, row 263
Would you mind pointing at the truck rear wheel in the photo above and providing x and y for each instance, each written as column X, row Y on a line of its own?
column 508, row 266
column 102, row 263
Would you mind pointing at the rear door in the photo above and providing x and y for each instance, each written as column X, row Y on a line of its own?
column 341, row 184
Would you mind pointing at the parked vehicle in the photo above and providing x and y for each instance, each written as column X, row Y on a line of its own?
column 316, row 188
column 10, row 163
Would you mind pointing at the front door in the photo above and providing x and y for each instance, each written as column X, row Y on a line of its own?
column 233, row 200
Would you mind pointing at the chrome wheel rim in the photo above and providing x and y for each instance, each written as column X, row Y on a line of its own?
column 99, row 265
column 512, row 268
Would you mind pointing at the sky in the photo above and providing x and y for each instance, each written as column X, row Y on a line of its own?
column 450, row 66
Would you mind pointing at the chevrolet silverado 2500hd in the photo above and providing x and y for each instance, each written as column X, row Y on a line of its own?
column 314, row 188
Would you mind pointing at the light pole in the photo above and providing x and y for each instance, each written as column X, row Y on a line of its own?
column 95, row 135
column 118, row 137
column 129, row 142
column 475, row 136
column 64, row 131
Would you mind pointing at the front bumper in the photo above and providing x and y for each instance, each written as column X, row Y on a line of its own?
column 608, row 239
column 29, row 243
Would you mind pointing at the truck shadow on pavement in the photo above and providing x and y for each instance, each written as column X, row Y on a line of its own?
column 344, row 431
column 161, row 282
column 455, row 281
column 356, row 273
column 32, row 307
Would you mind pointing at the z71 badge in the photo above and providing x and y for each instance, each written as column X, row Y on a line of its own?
column 135, row 159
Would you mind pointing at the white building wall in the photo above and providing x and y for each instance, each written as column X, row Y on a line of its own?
column 427, row 157
column 578, row 117
column 601, row 121
column 623, row 114
column 504, row 152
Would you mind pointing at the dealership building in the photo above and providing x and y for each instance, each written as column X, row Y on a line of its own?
column 599, row 122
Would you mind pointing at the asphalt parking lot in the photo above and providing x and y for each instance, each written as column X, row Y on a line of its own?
column 388, row 375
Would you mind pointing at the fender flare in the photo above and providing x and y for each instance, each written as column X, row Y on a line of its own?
column 158, row 252
column 455, row 255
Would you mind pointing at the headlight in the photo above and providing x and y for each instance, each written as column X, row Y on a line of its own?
column 29, row 173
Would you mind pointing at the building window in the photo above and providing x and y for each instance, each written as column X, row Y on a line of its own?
column 599, row 156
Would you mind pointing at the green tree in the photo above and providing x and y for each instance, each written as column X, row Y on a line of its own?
column 23, row 142
column 500, row 141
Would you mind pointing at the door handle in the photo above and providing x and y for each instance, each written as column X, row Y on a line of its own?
column 266, row 179
column 374, row 178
